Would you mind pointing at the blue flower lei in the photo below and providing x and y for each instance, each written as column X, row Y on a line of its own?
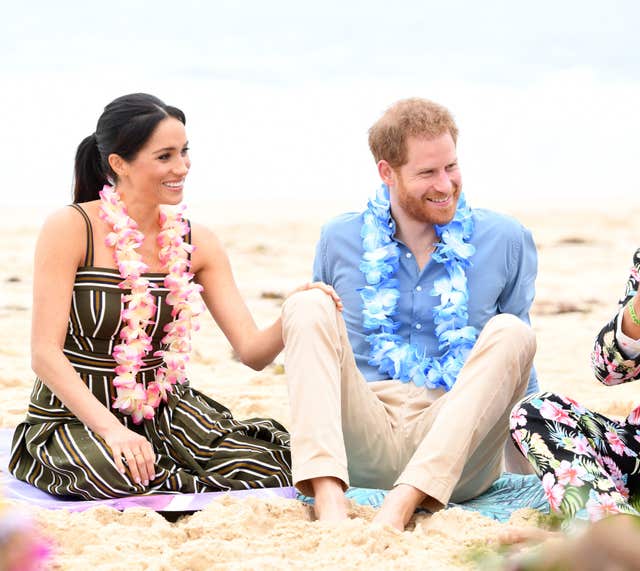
column 379, row 264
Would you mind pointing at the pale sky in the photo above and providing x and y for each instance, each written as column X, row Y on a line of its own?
column 285, row 40
column 279, row 94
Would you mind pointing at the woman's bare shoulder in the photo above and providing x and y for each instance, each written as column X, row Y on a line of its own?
column 204, row 237
column 64, row 232
column 68, row 215
column 208, row 247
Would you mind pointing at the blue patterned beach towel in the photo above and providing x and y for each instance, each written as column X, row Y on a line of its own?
column 508, row 493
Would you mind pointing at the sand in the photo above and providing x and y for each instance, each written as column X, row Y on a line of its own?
column 584, row 258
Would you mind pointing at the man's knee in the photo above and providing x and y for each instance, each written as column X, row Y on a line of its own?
column 508, row 328
column 307, row 308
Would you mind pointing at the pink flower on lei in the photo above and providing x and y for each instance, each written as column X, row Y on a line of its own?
column 139, row 307
column 129, row 355
column 554, row 492
column 154, row 394
column 552, row 411
column 133, row 401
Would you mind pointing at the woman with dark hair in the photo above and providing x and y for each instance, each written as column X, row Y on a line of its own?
column 117, row 279
column 589, row 463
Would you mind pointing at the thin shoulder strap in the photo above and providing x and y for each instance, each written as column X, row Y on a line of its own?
column 88, row 258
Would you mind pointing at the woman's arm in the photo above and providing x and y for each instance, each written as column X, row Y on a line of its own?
column 611, row 364
column 255, row 347
column 59, row 252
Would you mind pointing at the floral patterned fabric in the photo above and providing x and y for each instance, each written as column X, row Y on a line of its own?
column 610, row 364
column 589, row 464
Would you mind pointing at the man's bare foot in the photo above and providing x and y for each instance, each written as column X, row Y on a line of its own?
column 330, row 505
column 398, row 507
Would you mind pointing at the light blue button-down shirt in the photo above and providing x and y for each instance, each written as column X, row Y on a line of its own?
column 501, row 280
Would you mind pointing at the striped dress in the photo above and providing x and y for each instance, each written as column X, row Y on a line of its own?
column 199, row 446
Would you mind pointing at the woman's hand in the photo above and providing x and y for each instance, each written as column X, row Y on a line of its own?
column 132, row 449
column 322, row 287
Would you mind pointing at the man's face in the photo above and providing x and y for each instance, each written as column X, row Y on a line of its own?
column 428, row 185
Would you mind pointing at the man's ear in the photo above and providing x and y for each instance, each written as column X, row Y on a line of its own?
column 118, row 165
column 387, row 174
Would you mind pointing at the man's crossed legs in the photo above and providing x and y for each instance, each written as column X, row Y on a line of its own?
column 426, row 446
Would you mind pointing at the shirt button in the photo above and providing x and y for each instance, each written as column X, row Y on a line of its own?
column 408, row 254
column 418, row 326
column 418, row 288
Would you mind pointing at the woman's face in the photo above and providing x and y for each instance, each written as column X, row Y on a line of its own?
column 158, row 172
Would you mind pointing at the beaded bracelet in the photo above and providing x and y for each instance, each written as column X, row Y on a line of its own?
column 632, row 312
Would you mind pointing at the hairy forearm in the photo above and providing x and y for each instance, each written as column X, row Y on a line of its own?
column 54, row 369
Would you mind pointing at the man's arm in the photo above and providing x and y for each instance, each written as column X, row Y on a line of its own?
column 615, row 358
column 517, row 296
column 320, row 269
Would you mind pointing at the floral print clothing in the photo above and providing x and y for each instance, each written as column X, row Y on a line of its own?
column 589, row 464
column 610, row 364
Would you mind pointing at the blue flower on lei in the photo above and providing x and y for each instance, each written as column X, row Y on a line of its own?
column 379, row 264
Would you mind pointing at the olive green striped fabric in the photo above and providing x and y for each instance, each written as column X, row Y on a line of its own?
column 199, row 446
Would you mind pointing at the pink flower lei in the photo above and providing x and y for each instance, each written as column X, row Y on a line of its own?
column 139, row 306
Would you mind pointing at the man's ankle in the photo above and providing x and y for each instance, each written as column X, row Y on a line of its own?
column 330, row 502
column 410, row 493
column 327, row 486
column 399, row 506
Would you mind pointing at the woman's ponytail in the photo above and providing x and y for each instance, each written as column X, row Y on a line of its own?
column 89, row 174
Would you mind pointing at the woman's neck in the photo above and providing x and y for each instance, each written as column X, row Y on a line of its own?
column 145, row 215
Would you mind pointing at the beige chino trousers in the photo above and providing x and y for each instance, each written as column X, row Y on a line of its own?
column 449, row 445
